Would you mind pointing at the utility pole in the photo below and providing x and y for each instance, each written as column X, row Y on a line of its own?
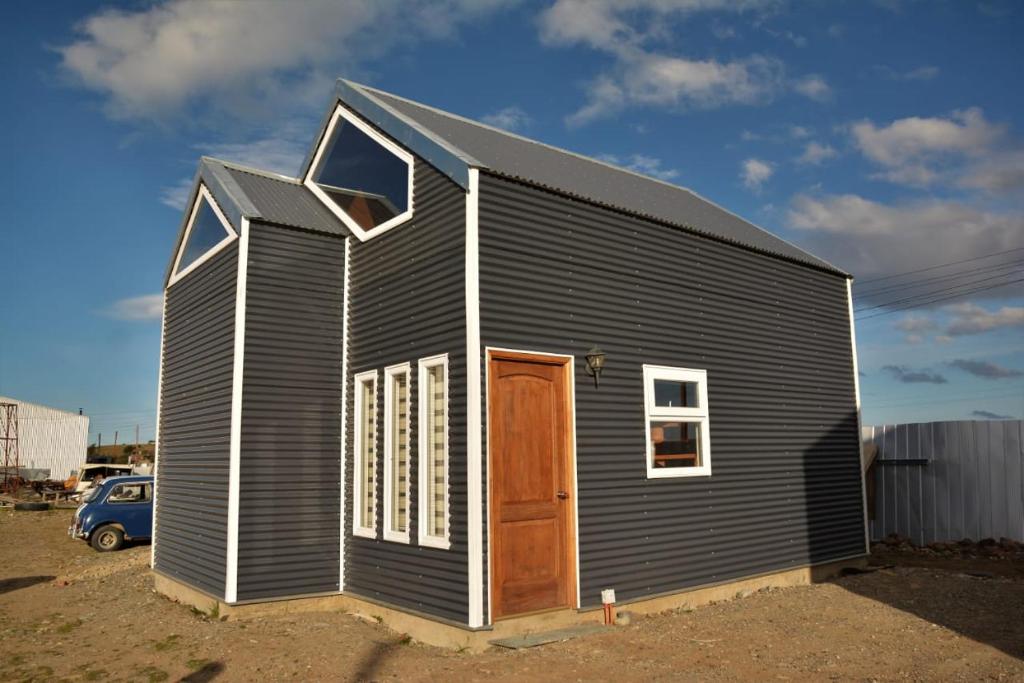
column 115, row 437
column 136, row 451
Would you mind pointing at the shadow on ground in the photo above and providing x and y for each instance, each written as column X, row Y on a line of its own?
column 9, row 585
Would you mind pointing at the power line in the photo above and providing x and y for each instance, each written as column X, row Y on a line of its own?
column 943, row 298
column 933, row 292
column 913, row 284
column 941, row 265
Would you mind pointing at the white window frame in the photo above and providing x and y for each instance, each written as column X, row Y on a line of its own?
column 444, row 541
column 390, row 373
column 700, row 415
column 362, row 234
column 201, row 195
column 357, row 455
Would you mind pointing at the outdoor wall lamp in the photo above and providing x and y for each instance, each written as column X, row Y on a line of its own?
column 595, row 364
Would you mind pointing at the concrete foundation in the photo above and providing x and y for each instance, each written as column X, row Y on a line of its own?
column 440, row 633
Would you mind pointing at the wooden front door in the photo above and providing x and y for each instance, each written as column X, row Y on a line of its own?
column 531, row 532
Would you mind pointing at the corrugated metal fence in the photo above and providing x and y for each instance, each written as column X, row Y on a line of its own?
column 943, row 481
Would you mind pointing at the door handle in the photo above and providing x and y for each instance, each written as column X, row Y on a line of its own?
column 562, row 494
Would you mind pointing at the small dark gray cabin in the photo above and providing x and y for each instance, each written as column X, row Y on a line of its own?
column 469, row 376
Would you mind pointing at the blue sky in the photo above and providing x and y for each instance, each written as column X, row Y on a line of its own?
column 887, row 137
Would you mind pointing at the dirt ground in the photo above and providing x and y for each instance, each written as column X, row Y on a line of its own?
column 68, row 613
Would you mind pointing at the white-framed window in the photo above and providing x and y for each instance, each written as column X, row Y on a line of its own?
column 396, row 453
column 676, row 412
column 364, row 465
column 364, row 178
column 433, row 452
column 207, row 232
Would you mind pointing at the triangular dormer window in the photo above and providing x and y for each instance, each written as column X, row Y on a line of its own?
column 207, row 231
column 363, row 177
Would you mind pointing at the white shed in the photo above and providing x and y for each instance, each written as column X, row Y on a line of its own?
column 49, row 438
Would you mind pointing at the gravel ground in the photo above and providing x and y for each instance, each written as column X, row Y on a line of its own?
column 68, row 613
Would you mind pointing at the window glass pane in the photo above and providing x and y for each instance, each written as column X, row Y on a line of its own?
column 207, row 231
column 399, row 450
column 367, row 454
column 672, row 394
column 675, row 444
column 437, row 513
column 129, row 493
column 365, row 180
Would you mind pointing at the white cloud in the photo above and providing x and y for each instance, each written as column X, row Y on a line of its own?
column 281, row 153
column 176, row 195
column 510, row 119
column 815, row 153
column 148, row 307
column 642, row 76
column 916, row 323
column 815, row 87
column 649, row 79
column 799, row 132
column 755, row 173
column 641, row 163
column 1000, row 173
column 912, row 150
column 151, row 61
column 970, row 318
column 870, row 238
column 921, row 73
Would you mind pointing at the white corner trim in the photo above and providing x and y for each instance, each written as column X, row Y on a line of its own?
column 235, row 449
column 474, row 431
column 390, row 373
column 700, row 415
column 344, row 415
column 860, row 428
column 156, row 435
column 358, row 415
column 342, row 112
column 202, row 195
column 443, row 541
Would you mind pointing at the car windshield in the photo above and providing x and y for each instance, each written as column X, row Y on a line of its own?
column 90, row 494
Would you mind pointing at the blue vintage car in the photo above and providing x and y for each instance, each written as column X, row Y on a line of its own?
column 119, row 509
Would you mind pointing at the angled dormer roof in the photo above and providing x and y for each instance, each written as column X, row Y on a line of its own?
column 243, row 192
column 454, row 144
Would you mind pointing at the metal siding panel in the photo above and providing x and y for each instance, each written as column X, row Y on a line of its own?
column 290, row 487
column 195, row 423
column 558, row 275
column 406, row 302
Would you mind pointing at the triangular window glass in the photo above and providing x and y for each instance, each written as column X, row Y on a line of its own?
column 369, row 183
column 206, row 231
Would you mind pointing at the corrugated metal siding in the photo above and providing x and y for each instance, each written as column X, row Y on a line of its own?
column 965, row 479
column 406, row 302
column 50, row 439
column 290, row 487
column 195, row 424
column 559, row 275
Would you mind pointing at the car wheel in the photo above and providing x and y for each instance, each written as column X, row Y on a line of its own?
column 107, row 538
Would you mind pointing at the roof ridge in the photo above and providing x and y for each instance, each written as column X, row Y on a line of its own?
column 254, row 171
column 598, row 162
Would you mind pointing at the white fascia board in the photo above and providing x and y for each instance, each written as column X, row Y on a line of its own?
column 860, row 428
column 474, row 423
column 156, row 435
column 341, row 112
column 344, row 414
column 235, row 447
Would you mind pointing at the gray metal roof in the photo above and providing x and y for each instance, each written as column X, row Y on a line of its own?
column 243, row 192
column 539, row 164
